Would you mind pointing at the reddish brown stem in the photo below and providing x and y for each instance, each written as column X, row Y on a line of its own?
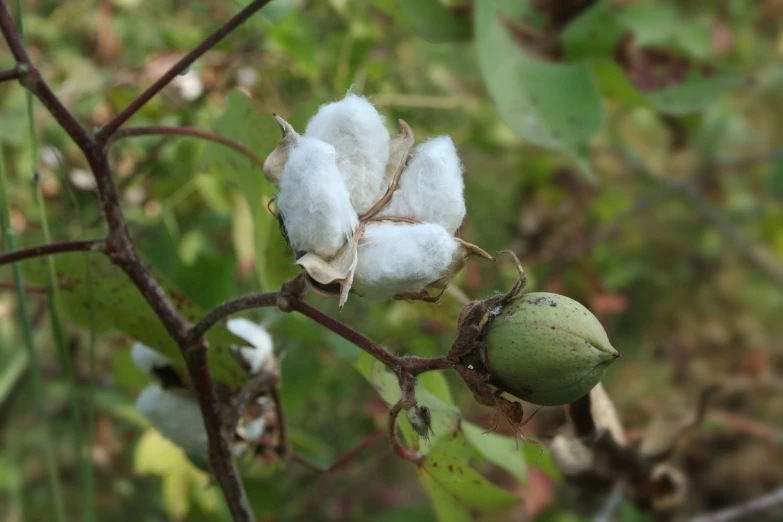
column 343, row 460
column 228, row 308
column 398, row 447
column 97, row 245
column 188, row 131
column 6, row 285
column 186, row 61
column 9, row 74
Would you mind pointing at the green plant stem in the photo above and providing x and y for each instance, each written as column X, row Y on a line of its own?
column 53, row 299
column 39, row 396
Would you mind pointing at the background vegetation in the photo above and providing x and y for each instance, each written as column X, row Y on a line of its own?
column 677, row 245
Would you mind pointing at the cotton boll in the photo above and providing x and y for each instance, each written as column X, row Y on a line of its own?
column 176, row 417
column 431, row 187
column 260, row 356
column 357, row 132
column 146, row 359
column 313, row 200
column 396, row 258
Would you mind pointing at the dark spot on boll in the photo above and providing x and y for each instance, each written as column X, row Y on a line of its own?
column 553, row 303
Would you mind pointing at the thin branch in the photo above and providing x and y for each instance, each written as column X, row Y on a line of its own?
column 186, row 61
column 346, row 332
column 96, row 245
column 12, row 36
column 744, row 511
column 398, row 447
column 6, row 285
column 9, row 74
column 343, row 460
column 222, row 311
column 187, row 131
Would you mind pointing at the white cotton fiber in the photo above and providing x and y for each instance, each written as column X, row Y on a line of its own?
column 431, row 187
column 396, row 258
column 313, row 200
column 176, row 417
column 358, row 134
column 145, row 358
column 260, row 356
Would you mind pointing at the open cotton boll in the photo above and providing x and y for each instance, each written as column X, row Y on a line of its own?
column 146, row 359
column 358, row 134
column 260, row 356
column 396, row 258
column 431, row 186
column 313, row 200
column 176, row 417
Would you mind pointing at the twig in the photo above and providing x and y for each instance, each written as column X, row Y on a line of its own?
column 746, row 510
column 222, row 311
column 97, row 245
column 9, row 74
column 186, row 61
column 413, row 365
column 612, row 502
column 6, row 285
column 343, row 460
column 187, row 131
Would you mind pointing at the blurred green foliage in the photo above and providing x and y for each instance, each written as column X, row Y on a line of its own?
column 677, row 246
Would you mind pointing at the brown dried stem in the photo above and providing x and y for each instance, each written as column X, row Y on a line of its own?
column 96, row 245
column 187, row 131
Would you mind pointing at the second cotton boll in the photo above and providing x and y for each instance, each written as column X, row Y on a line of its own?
column 363, row 210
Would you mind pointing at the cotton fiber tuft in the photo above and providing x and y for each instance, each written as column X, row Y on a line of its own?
column 313, row 200
column 177, row 417
column 357, row 131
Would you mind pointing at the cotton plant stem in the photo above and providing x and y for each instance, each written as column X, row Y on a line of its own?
column 97, row 245
column 187, row 131
column 745, row 511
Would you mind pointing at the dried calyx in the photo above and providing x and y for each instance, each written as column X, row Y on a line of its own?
column 170, row 404
column 364, row 210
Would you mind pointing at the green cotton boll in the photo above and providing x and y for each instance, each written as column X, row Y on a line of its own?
column 546, row 349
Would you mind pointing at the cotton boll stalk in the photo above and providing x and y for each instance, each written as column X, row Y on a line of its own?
column 260, row 356
column 313, row 200
column 146, row 359
column 431, row 187
column 177, row 417
column 357, row 131
column 398, row 258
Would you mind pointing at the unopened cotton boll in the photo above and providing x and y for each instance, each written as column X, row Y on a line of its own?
column 260, row 356
column 313, row 200
column 397, row 258
column 431, row 187
column 357, row 131
column 177, row 417
column 146, row 359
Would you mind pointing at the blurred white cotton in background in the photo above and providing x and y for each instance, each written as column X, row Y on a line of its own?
column 145, row 358
column 357, row 131
column 260, row 356
column 313, row 200
column 396, row 258
column 176, row 417
column 431, row 187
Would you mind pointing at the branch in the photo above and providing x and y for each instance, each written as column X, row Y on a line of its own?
column 744, row 511
column 9, row 74
column 222, row 311
column 96, row 245
column 186, row 61
column 187, row 131
column 612, row 503
column 12, row 36
column 343, row 460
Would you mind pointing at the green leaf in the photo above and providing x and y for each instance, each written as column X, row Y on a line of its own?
column 595, row 32
column 445, row 417
column 119, row 304
column 458, row 492
column 614, row 83
column 154, row 455
column 775, row 180
column 502, row 451
column 553, row 105
column 436, row 22
column 697, row 90
column 652, row 23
